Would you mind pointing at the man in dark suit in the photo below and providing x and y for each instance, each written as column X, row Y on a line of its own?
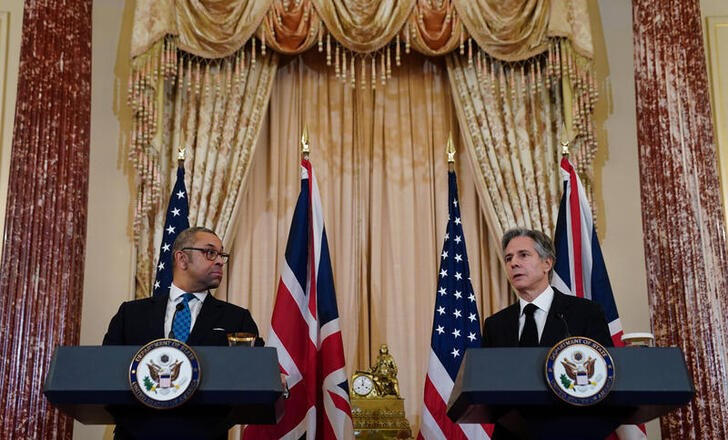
column 187, row 312
column 542, row 316
column 529, row 258
column 197, row 260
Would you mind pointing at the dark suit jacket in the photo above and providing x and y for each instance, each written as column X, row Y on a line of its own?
column 568, row 316
column 141, row 321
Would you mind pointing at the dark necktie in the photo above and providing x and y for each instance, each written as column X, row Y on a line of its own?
column 183, row 319
column 529, row 335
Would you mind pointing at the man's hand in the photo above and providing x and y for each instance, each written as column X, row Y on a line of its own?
column 284, row 382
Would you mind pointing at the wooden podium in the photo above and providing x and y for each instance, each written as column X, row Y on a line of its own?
column 508, row 386
column 239, row 385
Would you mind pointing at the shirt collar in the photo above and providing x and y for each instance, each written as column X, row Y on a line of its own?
column 175, row 293
column 542, row 301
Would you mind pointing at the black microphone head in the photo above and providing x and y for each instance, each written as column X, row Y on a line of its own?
column 180, row 306
column 562, row 318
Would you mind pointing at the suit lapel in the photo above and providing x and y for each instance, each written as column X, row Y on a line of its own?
column 157, row 314
column 555, row 328
column 511, row 333
column 209, row 315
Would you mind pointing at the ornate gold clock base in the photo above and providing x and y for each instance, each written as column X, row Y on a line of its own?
column 380, row 418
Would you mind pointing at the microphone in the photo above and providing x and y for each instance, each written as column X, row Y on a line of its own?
column 566, row 325
column 179, row 307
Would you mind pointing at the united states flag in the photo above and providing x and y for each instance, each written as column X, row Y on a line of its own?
column 455, row 328
column 176, row 220
column 579, row 269
column 305, row 330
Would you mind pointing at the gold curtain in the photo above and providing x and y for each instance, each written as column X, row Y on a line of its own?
column 214, row 110
column 217, row 43
column 208, row 29
column 509, row 30
column 512, row 118
column 363, row 26
column 381, row 166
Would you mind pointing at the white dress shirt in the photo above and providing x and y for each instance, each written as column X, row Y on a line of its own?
column 543, row 302
column 175, row 297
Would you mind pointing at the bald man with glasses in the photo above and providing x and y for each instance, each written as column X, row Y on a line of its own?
column 188, row 312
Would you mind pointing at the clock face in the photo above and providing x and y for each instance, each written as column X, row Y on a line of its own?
column 362, row 385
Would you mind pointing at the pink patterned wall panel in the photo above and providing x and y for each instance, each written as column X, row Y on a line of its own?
column 682, row 215
column 41, row 281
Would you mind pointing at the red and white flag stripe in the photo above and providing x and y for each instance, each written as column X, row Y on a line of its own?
column 306, row 333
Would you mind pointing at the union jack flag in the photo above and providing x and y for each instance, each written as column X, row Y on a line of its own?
column 455, row 328
column 305, row 330
column 579, row 269
column 176, row 221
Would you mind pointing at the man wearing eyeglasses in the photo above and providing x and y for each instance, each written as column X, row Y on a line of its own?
column 188, row 312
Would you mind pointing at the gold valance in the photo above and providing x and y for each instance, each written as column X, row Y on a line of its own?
column 212, row 47
column 509, row 30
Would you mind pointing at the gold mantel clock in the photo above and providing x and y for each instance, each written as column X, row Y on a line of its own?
column 377, row 408
column 362, row 384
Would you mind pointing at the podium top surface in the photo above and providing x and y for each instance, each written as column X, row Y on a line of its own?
column 650, row 381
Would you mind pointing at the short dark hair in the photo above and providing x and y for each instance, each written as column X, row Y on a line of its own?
column 186, row 238
column 542, row 242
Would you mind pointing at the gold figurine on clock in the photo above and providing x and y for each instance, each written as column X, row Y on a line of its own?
column 377, row 408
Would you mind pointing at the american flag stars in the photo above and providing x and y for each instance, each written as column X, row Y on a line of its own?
column 175, row 222
column 455, row 309
column 455, row 327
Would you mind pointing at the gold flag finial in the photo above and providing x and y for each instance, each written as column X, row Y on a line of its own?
column 450, row 149
column 304, row 142
column 181, row 154
column 566, row 140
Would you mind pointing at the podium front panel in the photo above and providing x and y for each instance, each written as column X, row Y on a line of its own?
column 91, row 382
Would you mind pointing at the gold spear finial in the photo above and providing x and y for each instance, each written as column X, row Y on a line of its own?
column 450, row 149
column 181, row 154
column 304, row 142
column 566, row 140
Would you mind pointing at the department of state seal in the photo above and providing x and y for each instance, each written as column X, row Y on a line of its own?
column 580, row 371
column 164, row 373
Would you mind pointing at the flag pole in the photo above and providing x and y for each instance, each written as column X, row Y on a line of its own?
column 181, row 156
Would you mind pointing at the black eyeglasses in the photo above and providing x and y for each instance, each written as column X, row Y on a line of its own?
column 210, row 254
